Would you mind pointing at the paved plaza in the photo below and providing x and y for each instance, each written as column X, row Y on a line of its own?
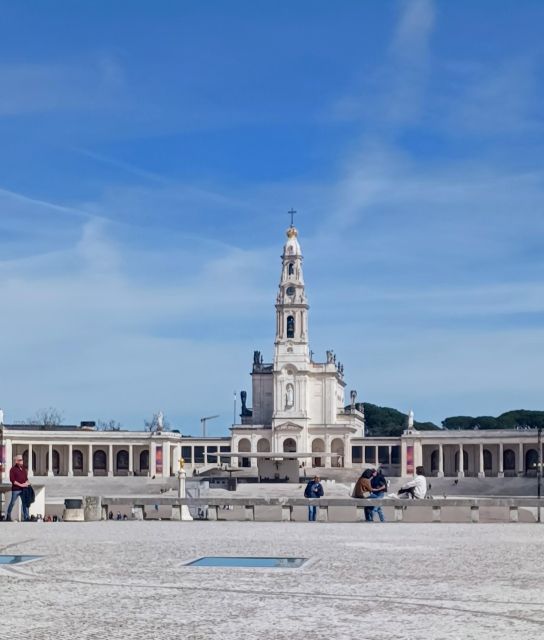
column 126, row 580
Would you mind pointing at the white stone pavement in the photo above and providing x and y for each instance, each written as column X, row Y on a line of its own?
column 124, row 580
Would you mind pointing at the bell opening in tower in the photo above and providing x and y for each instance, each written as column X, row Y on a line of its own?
column 290, row 327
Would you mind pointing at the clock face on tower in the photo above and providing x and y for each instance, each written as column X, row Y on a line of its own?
column 290, row 291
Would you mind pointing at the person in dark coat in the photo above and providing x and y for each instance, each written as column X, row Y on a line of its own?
column 379, row 487
column 314, row 489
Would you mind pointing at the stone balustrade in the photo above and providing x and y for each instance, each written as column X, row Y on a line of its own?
column 247, row 506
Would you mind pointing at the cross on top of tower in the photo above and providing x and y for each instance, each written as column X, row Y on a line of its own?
column 292, row 212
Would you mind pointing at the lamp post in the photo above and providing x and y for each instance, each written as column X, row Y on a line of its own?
column 539, row 469
column 184, row 513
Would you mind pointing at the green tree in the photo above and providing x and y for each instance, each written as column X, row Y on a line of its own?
column 484, row 422
column 385, row 421
column 458, row 422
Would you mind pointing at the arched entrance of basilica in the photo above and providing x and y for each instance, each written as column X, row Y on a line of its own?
column 318, row 446
column 244, row 446
column 289, row 445
column 337, row 446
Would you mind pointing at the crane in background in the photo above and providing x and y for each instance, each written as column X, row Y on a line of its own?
column 203, row 422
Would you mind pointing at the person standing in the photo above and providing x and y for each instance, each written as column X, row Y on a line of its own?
column 314, row 489
column 379, row 487
column 18, row 477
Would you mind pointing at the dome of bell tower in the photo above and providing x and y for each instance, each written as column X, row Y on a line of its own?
column 292, row 231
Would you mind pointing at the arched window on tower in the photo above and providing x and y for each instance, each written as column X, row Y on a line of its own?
column 291, row 270
column 290, row 327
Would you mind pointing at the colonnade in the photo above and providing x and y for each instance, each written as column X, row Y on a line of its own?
column 481, row 459
column 154, row 458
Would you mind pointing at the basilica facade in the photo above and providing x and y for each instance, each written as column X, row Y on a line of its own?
column 298, row 404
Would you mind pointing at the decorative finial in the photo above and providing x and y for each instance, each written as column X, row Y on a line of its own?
column 292, row 232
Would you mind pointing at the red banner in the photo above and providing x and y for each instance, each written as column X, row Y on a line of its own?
column 410, row 460
column 158, row 459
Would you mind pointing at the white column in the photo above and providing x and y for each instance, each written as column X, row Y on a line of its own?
column 253, row 461
column 481, row 472
column 520, row 459
column 166, row 460
column 50, row 461
column 501, row 460
column 30, row 469
column 403, row 454
column 110, row 460
column 152, row 459
column 234, row 462
column 328, row 450
column 90, row 460
column 8, row 460
column 130, row 459
column 440, row 473
column 70, row 460
column 460, row 465
column 347, row 453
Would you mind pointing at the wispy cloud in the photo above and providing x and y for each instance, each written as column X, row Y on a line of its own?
column 48, row 86
column 393, row 92
column 491, row 99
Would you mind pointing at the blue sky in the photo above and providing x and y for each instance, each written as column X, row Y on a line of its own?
column 149, row 153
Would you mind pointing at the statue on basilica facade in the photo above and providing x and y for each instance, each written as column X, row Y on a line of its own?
column 353, row 397
column 289, row 396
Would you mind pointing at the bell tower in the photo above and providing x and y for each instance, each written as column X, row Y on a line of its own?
column 291, row 343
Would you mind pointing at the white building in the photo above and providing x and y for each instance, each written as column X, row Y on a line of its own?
column 298, row 406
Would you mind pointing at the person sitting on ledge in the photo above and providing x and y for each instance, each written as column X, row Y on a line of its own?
column 416, row 488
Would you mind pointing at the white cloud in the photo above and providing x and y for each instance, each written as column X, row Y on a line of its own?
column 391, row 93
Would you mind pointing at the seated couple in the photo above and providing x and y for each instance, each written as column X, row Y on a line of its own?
column 371, row 484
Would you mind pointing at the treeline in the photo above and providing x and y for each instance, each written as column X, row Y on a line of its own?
column 520, row 419
column 384, row 421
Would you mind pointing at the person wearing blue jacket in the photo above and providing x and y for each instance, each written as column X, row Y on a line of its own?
column 314, row 489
